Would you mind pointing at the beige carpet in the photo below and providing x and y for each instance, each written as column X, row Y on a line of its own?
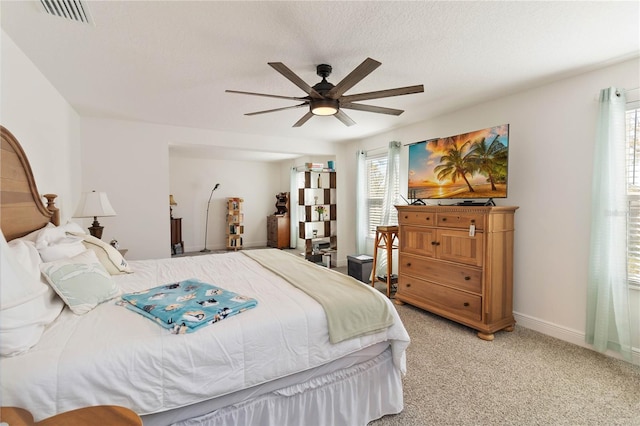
column 521, row 378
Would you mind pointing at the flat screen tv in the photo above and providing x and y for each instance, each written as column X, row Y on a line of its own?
column 466, row 166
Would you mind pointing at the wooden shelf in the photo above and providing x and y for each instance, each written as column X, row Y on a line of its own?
column 235, row 227
column 318, row 189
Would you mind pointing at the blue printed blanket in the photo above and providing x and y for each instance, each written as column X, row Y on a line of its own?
column 185, row 306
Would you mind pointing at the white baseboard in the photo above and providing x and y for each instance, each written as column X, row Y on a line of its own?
column 568, row 335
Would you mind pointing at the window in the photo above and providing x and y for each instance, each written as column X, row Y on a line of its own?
column 633, row 192
column 376, row 171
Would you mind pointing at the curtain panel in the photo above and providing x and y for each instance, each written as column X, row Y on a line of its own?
column 608, row 324
column 361, row 202
column 391, row 194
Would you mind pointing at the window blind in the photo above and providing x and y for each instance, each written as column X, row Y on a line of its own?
column 633, row 192
column 376, row 171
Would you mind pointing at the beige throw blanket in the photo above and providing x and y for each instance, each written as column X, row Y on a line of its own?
column 352, row 308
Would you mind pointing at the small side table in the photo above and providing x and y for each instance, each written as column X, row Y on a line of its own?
column 387, row 239
column 176, row 235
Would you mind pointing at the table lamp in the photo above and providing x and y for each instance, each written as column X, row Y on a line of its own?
column 94, row 204
column 172, row 203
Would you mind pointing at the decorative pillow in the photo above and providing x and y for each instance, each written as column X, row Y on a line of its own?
column 61, row 249
column 27, row 305
column 110, row 258
column 82, row 282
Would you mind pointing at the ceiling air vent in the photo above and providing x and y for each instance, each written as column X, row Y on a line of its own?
column 74, row 10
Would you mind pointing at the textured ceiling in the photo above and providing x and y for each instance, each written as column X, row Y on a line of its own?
column 170, row 62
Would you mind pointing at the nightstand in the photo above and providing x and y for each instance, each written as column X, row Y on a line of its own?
column 176, row 235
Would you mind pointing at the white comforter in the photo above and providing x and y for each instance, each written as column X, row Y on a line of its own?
column 112, row 355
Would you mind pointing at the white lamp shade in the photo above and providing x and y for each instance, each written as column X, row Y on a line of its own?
column 94, row 204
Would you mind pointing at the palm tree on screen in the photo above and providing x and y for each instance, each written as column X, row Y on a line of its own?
column 488, row 159
column 455, row 165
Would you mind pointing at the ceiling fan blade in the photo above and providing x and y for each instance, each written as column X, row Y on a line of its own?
column 383, row 93
column 293, row 77
column 304, row 119
column 346, row 120
column 360, row 72
column 277, row 109
column 371, row 108
column 266, row 95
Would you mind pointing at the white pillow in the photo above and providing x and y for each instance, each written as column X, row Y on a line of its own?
column 61, row 249
column 110, row 258
column 17, row 285
column 21, row 326
column 73, row 228
column 26, row 304
column 82, row 282
column 33, row 236
column 26, row 254
column 49, row 235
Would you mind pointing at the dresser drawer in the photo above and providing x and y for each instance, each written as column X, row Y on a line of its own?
column 460, row 220
column 416, row 218
column 457, row 276
column 441, row 298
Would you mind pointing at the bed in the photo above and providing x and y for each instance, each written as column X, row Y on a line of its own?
column 304, row 354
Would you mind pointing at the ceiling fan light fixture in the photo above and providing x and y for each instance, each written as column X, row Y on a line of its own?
column 324, row 106
column 325, row 98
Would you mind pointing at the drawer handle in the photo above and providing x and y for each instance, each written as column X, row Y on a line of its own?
column 406, row 217
column 408, row 285
column 467, row 278
column 466, row 303
column 428, row 218
column 408, row 264
column 444, row 219
column 473, row 221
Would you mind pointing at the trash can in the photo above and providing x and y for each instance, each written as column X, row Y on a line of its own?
column 326, row 259
column 359, row 267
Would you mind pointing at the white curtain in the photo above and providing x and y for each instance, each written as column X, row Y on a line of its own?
column 391, row 185
column 293, row 208
column 361, row 203
column 608, row 290
column 389, row 212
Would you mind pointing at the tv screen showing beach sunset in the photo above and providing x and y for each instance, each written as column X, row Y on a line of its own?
column 470, row 165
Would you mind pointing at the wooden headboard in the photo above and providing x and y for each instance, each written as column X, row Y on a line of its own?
column 21, row 207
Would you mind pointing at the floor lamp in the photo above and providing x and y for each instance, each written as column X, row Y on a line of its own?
column 206, row 224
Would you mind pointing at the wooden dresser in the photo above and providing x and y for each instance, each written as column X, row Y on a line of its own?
column 457, row 262
column 278, row 231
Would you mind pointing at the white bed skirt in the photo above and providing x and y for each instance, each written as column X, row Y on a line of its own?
column 349, row 397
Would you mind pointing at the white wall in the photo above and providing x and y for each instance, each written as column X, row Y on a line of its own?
column 45, row 125
column 191, row 182
column 551, row 147
column 130, row 161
